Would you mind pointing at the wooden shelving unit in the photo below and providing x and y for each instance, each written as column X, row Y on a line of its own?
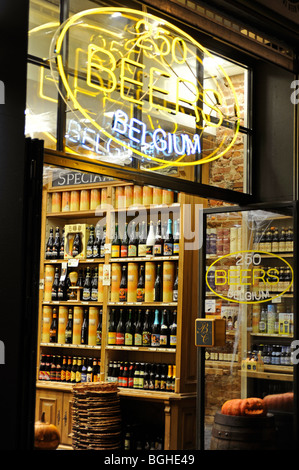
column 178, row 406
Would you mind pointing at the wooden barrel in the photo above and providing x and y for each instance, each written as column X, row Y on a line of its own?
column 243, row 432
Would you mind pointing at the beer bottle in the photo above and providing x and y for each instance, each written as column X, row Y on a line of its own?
column 41, row 375
column 124, row 243
column 131, row 375
column 61, row 291
column 150, row 241
column 74, row 370
column 99, row 329
column 140, row 285
column 120, row 330
column 158, row 291
column 78, row 370
column 76, row 250
column 169, row 379
column 94, row 286
column 63, row 370
column 275, row 240
column 112, row 328
column 176, row 237
column 115, row 245
column 61, row 250
column 141, row 376
column 146, row 330
column 142, row 240
column 95, row 370
column 120, row 374
column 56, row 245
column 103, row 242
column 289, row 240
column 83, row 371
column 89, row 374
column 69, row 328
column 163, row 377
column 136, row 376
column 151, row 384
column 173, row 378
column 164, row 331
column 55, row 285
column 125, row 377
column 123, row 287
column 96, row 248
column 282, row 240
column 155, row 337
column 146, row 376
column 168, row 240
column 138, row 331
column 90, row 243
column 173, row 332
column 133, row 241
column 87, row 286
column 157, row 377
column 158, row 246
column 53, row 369
column 175, row 286
column 68, row 370
column 129, row 330
column 84, row 329
column 49, row 246
column 53, row 328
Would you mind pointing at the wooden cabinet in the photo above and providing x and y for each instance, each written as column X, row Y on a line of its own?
column 178, row 404
column 56, row 404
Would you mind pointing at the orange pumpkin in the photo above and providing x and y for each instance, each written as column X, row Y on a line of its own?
column 280, row 401
column 46, row 435
column 244, row 407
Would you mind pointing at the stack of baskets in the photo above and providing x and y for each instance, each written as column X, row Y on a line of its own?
column 96, row 417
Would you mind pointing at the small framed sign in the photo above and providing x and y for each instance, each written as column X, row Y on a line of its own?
column 210, row 332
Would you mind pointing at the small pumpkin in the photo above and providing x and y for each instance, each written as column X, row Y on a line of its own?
column 280, row 401
column 46, row 435
column 245, row 407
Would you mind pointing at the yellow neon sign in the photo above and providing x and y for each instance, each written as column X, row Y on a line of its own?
column 142, row 69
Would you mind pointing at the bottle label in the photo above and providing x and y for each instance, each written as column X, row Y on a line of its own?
column 124, row 251
column 94, row 294
column 168, row 249
column 115, row 250
column 122, row 294
column 137, row 339
column 158, row 250
column 62, row 376
column 86, row 294
column 111, row 337
column 140, row 294
column 120, row 339
column 141, row 250
column 172, row 340
column 67, row 376
column 128, row 339
column 175, row 296
column 149, row 249
column 176, row 248
column 163, row 340
column 132, row 250
column 95, row 251
column 146, row 338
column 155, row 340
column 89, row 252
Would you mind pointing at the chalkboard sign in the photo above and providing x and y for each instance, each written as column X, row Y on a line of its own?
column 209, row 332
column 70, row 178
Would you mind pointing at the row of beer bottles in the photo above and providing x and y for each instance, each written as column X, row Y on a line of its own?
column 87, row 280
column 69, row 369
column 153, row 239
column 152, row 328
column 86, row 334
column 274, row 239
column 143, row 375
column 164, row 289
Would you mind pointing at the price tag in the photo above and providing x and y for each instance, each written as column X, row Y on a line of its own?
column 106, row 274
column 107, row 248
column 73, row 263
column 41, row 284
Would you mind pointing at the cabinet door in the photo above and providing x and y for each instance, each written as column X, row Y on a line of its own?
column 66, row 427
column 50, row 402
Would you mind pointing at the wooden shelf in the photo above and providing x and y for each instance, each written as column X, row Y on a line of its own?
column 73, row 302
column 141, row 349
column 143, row 304
column 81, row 261
column 135, row 259
column 70, row 346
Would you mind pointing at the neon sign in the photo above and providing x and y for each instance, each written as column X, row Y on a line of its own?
column 143, row 71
